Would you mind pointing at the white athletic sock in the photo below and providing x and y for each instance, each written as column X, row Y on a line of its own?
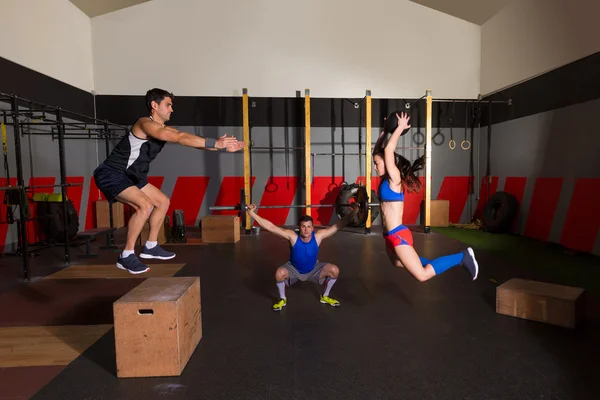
column 328, row 285
column 151, row 244
column 281, row 287
column 127, row 253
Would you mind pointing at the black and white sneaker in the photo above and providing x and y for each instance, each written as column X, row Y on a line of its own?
column 470, row 263
column 132, row 264
column 156, row 252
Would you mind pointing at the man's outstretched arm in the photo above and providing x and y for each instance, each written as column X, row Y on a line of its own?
column 269, row 226
column 172, row 135
column 339, row 225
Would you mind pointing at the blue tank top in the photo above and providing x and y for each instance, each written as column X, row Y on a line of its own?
column 387, row 194
column 303, row 256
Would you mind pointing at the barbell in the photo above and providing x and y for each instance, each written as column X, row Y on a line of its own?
column 359, row 198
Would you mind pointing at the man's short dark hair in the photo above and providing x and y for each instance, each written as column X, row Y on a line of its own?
column 305, row 218
column 156, row 95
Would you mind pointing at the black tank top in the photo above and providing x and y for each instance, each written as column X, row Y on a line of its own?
column 133, row 155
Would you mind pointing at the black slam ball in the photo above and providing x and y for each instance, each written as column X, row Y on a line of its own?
column 391, row 123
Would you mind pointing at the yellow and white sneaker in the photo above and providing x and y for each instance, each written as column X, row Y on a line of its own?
column 331, row 301
column 279, row 305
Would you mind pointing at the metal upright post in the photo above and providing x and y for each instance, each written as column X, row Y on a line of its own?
column 368, row 114
column 23, row 218
column 307, row 169
column 110, row 244
column 63, row 179
column 247, row 159
column 427, row 207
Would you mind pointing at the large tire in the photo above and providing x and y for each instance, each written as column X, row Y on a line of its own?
column 347, row 195
column 499, row 212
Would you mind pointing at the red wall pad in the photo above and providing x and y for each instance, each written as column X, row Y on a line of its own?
column 324, row 190
column 484, row 194
column 583, row 221
column 515, row 185
column 229, row 194
column 279, row 190
column 188, row 195
column 456, row 190
column 542, row 207
column 412, row 204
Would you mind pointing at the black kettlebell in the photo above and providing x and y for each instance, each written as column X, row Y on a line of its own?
column 391, row 123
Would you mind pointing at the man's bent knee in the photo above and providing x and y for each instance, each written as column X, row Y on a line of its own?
column 281, row 274
column 333, row 271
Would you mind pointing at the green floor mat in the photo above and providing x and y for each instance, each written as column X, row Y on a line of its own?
column 570, row 268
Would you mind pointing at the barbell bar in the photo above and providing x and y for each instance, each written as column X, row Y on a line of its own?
column 223, row 208
column 360, row 197
column 19, row 187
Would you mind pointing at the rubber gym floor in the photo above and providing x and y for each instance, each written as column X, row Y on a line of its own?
column 392, row 337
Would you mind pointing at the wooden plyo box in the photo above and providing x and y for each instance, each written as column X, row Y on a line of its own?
column 440, row 213
column 162, row 233
column 220, row 229
column 103, row 214
column 157, row 326
column 542, row 302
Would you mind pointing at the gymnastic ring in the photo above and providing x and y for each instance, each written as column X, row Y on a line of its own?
column 271, row 185
column 462, row 144
column 452, row 144
column 332, row 186
column 421, row 135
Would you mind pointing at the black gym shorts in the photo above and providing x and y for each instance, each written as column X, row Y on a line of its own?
column 111, row 182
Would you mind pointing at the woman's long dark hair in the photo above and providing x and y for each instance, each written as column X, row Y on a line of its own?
column 408, row 171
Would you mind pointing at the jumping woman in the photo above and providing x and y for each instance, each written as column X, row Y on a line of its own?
column 398, row 174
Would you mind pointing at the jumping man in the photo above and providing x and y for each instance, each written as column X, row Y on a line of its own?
column 123, row 176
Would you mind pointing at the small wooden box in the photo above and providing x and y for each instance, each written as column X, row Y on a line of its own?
column 542, row 302
column 103, row 215
column 440, row 213
column 157, row 327
column 220, row 229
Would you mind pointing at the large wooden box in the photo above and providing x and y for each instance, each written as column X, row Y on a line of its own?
column 157, row 327
column 542, row 302
column 103, row 214
column 220, row 229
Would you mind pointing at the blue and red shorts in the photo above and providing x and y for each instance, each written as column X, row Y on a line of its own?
column 398, row 236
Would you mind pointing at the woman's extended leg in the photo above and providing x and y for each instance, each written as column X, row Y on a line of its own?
column 423, row 269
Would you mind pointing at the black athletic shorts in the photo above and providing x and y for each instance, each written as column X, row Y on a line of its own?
column 111, row 182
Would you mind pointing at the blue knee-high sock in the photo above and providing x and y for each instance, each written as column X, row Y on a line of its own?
column 424, row 260
column 444, row 263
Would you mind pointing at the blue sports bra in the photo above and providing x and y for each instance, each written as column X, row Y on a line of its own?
column 387, row 194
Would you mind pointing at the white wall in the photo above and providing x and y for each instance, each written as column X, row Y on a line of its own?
column 531, row 37
column 275, row 47
column 52, row 37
